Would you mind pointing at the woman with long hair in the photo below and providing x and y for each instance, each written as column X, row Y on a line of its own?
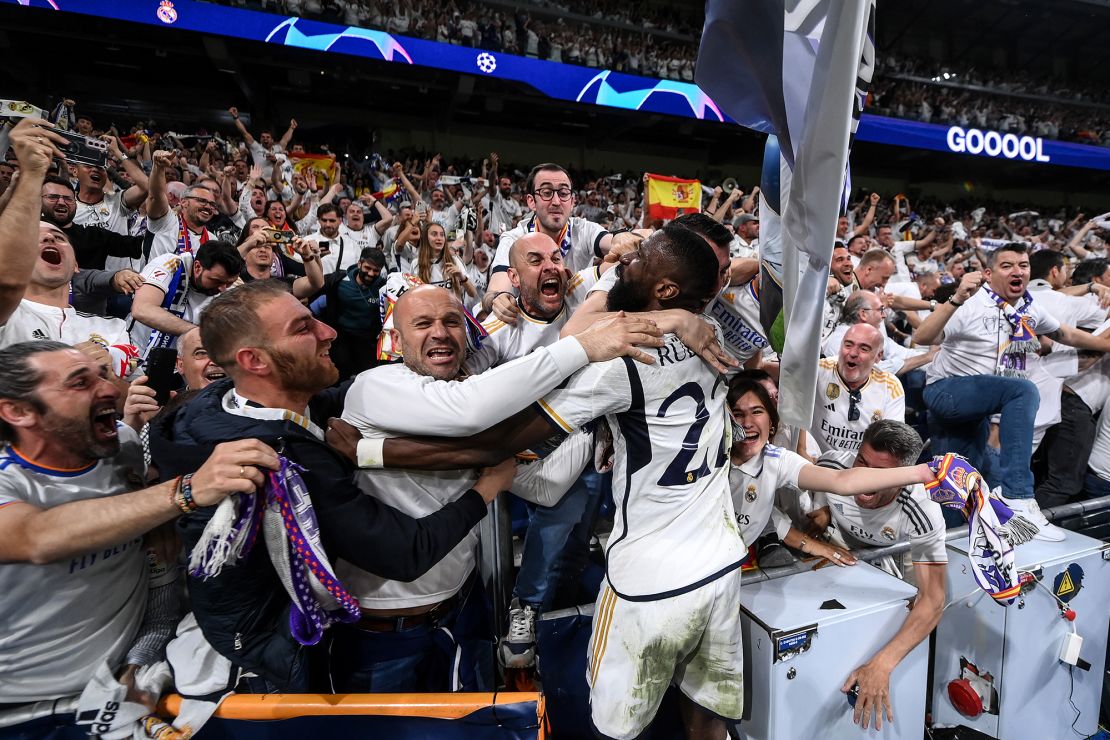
column 436, row 263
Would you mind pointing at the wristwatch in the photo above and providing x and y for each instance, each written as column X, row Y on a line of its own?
column 933, row 305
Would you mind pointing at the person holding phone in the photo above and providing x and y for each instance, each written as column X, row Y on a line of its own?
column 437, row 265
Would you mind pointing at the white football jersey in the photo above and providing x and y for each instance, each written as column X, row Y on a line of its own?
column 62, row 619
column 674, row 529
column 159, row 273
column 833, row 426
column 754, row 484
column 912, row 516
column 32, row 321
column 110, row 213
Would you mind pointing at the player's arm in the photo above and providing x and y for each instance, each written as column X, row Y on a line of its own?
column 873, row 677
column 855, row 481
column 29, row 534
column 464, row 408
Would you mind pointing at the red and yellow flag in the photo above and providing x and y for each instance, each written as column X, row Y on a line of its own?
column 665, row 195
column 320, row 170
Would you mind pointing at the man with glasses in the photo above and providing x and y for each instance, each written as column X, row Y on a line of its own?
column 852, row 393
column 865, row 307
column 550, row 195
column 196, row 209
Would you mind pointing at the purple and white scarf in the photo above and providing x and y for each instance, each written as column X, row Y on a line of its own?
column 1011, row 352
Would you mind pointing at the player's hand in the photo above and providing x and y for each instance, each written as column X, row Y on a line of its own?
column 505, row 308
column 139, row 407
column 343, row 438
column 699, row 336
column 619, row 336
column 873, row 700
column 127, row 282
column 493, row 481
column 233, row 467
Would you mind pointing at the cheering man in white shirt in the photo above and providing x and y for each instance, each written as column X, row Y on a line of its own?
column 984, row 334
column 852, row 393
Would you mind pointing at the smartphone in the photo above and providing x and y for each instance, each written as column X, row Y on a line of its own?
column 325, row 247
column 280, row 237
column 161, row 367
column 85, row 150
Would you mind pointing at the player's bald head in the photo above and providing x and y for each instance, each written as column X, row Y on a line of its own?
column 534, row 243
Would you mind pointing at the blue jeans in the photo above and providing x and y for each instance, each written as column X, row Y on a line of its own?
column 959, row 417
column 1094, row 486
column 542, row 560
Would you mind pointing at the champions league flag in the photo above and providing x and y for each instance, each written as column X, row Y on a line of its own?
column 800, row 72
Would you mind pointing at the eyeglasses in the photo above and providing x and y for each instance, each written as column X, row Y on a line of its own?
column 203, row 201
column 54, row 198
column 546, row 194
column 853, row 405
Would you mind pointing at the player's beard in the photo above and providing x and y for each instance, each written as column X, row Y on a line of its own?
column 625, row 296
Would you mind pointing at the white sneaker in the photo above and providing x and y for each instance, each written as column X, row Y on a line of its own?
column 1031, row 510
column 517, row 649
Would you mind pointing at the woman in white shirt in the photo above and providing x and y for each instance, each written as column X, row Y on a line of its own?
column 436, row 265
column 759, row 469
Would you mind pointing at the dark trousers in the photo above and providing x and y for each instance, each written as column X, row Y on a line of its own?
column 1067, row 446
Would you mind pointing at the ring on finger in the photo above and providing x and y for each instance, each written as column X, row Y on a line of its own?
column 242, row 472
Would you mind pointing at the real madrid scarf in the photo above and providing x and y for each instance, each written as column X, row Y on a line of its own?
column 563, row 238
column 283, row 513
column 993, row 530
column 1011, row 353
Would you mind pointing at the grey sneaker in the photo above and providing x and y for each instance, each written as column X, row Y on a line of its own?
column 517, row 649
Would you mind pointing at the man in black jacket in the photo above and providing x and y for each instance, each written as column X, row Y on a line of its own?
column 276, row 355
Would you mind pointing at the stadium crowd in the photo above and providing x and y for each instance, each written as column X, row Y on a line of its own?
column 657, row 42
column 287, row 296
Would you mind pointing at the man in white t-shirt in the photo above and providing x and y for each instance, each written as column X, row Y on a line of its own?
column 880, row 519
column 746, row 242
column 263, row 151
column 864, row 307
column 176, row 288
column 550, row 195
column 900, row 249
column 504, row 210
column 852, row 393
column 94, row 208
column 985, row 332
column 355, row 228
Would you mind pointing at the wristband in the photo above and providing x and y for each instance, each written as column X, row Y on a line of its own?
column 953, row 302
column 369, row 453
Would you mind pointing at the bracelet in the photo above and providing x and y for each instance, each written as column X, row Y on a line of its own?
column 952, row 301
column 184, row 498
column 802, row 544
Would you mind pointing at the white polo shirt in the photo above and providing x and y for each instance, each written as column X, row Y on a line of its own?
column 975, row 334
column 754, row 484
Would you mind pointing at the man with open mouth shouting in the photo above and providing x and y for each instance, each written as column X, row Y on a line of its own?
column 985, row 331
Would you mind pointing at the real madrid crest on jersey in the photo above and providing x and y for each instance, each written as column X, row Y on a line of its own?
column 878, row 415
column 888, row 533
column 832, row 391
column 750, row 494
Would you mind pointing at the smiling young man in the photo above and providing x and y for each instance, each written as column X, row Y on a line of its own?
column 852, row 393
column 985, row 331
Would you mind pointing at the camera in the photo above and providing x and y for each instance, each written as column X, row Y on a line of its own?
column 85, row 150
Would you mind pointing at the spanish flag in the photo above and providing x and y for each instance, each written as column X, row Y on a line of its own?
column 320, row 170
column 665, row 195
